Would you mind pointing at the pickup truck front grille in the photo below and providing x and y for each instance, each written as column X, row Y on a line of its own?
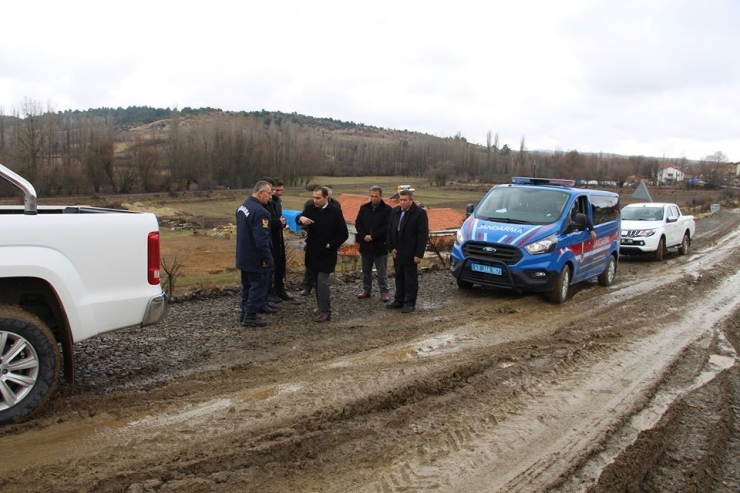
column 630, row 233
column 492, row 251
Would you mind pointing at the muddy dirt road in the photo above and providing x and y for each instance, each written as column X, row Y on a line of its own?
column 628, row 388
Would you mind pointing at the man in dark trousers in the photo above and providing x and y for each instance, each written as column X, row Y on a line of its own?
column 254, row 254
column 372, row 229
column 277, row 225
column 308, row 276
column 408, row 232
column 327, row 231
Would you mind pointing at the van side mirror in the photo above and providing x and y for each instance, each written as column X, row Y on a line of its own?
column 469, row 210
column 578, row 223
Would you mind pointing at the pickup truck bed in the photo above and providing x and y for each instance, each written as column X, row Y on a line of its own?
column 67, row 274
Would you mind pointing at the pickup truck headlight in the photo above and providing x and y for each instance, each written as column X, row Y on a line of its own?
column 545, row 245
column 459, row 238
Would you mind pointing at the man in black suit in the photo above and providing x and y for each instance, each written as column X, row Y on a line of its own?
column 408, row 233
column 327, row 231
column 309, row 277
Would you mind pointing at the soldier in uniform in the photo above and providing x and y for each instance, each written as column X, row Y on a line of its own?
column 254, row 255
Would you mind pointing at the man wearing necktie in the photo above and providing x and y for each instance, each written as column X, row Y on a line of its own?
column 408, row 233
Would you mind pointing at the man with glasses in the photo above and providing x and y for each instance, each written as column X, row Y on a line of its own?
column 408, row 233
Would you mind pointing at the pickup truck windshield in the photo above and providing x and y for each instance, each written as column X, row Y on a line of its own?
column 522, row 205
column 642, row 213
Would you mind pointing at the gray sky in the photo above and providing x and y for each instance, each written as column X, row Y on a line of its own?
column 634, row 77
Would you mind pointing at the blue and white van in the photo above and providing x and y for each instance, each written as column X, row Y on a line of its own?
column 535, row 235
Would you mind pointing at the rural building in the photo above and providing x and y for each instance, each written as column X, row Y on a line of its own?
column 669, row 175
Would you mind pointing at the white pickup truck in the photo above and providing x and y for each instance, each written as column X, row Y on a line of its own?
column 67, row 274
column 655, row 228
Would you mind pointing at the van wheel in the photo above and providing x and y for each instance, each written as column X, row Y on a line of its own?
column 660, row 252
column 559, row 293
column 685, row 245
column 464, row 284
column 29, row 364
column 606, row 278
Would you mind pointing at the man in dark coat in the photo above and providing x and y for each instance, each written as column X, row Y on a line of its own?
column 308, row 276
column 372, row 229
column 254, row 254
column 327, row 231
column 277, row 225
column 408, row 233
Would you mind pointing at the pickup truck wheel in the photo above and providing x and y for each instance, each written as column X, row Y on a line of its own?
column 464, row 284
column 660, row 252
column 559, row 292
column 685, row 245
column 606, row 278
column 29, row 364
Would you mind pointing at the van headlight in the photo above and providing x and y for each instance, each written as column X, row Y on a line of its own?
column 459, row 238
column 545, row 245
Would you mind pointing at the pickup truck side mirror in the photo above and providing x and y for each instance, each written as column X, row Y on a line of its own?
column 671, row 219
column 469, row 210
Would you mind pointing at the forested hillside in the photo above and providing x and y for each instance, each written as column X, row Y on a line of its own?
column 142, row 149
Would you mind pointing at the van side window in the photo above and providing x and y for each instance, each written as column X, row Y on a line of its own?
column 605, row 208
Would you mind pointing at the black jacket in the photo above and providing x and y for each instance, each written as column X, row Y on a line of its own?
column 328, row 228
column 373, row 222
column 275, row 208
column 411, row 241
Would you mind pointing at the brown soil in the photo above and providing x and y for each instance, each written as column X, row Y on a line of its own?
column 628, row 388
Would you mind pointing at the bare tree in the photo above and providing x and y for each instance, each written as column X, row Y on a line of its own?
column 30, row 138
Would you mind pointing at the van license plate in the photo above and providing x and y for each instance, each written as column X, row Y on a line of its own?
column 488, row 269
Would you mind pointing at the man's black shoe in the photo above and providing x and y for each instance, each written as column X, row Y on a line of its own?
column 408, row 309
column 305, row 292
column 285, row 296
column 394, row 304
column 274, row 299
column 267, row 309
column 252, row 320
column 270, row 305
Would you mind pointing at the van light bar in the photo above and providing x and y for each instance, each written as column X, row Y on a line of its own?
column 523, row 180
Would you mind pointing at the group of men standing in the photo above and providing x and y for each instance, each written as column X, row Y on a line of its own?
column 402, row 231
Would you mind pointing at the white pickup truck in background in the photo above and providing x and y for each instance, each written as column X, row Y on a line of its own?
column 655, row 228
column 67, row 274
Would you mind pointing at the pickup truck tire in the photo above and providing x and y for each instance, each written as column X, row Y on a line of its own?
column 29, row 377
column 559, row 292
column 685, row 246
column 660, row 252
column 606, row 278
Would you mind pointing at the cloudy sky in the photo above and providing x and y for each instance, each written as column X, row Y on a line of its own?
column 634, row 77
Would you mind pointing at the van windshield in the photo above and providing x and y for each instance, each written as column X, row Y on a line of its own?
column 522, row 205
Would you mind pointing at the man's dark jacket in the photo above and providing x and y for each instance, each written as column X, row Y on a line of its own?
column 374, row 222
column 328, row 228
column 411, row 241
column 275, row 208
column 253, row 240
